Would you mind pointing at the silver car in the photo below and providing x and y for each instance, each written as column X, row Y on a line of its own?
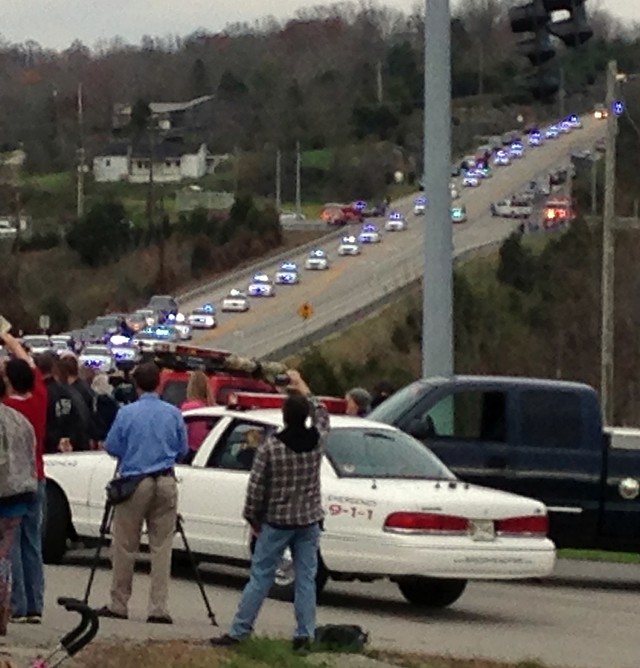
column 235, row 301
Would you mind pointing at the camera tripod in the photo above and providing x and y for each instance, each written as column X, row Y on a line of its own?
column 105, row 530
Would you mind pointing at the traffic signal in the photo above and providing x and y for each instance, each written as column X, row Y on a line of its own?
column 575, row 30
column 535, row 19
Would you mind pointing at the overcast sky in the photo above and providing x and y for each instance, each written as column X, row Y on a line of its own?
column 56, row 23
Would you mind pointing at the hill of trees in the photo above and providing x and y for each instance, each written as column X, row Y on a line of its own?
column 330, row 75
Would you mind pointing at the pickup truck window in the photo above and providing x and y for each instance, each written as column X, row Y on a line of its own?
column 551, row 419
column 236, row 448
column 473, row 415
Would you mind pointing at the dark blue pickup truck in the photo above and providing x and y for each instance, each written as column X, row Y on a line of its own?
column 539, row 438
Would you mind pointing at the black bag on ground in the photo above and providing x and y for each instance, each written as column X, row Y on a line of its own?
column 341, row 637
column 120, row 490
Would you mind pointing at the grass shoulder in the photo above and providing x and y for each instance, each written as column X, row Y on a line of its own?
column 264, row 653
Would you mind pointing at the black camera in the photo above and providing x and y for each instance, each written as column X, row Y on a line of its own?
column 281, row 380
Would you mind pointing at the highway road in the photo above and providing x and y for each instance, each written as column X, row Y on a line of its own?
column 353, row 282
column 567, row 621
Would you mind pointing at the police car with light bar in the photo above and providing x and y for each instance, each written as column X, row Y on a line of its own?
column 535, row 138
column 459, row 214
column 502, row 159
column 403, row 517
column 98, row 358
column 471, row 179
column 203, row 318
column 236, row 300
column 369, row 235
column 288, row 274
column 552, row 132
column 419, row 207
column 349, row 246
column 124, row 349
column 149, row 336
column 396, row 223
column 261, row 286
column 317, row 259
column 516, row 150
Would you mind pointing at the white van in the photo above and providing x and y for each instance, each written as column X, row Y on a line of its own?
column 512, row 208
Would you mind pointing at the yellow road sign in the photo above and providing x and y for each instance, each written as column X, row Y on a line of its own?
column 305, row 311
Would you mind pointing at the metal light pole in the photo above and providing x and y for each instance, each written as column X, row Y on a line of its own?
column 437, row 286
column 298, row 181
column 278, row 180
column 608, row 269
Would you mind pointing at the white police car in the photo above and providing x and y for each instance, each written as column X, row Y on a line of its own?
column 261, row 286
column 124, row 349
column 454, row 191
column 516, row 150
column 535, row 139
column 203, row 318
column 552, row 132
column 288, row 274
column 349, row 246
column 317, row 259
column 419, row 207
column 459, row 214
column 471, row 179
column 98, row 358
column 575, row 122
column 564, row 127
column 147, row 338
column 236, row 300
column 502, row 159
column 396, row 223
column 369, row 235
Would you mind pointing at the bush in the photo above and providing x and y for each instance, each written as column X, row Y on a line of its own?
column 39, row 242
column 103, row 235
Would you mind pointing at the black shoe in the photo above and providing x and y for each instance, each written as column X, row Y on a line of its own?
column 159, row 619
column 106, row 611
column 34, row 618
column 301, row 646
column 224, row 641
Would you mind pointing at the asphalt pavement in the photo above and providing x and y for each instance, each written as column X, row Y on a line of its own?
column 584, row 616
column 353, row 282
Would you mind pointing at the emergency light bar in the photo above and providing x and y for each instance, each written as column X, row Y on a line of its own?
column 257, row 400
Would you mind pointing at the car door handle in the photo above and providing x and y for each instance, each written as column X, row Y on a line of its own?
column 497, row 462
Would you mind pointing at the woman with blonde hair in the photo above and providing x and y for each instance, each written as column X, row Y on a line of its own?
column 199, row 395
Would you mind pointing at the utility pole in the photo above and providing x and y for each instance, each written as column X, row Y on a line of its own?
column 594, row 186
column 608, row 254
column 437, row 284
column 81, row 156
column 298, row 181
column 562, row 94
column 278, row 180
column 379, row 84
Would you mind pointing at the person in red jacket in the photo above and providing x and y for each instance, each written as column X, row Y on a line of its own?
column 28, row 395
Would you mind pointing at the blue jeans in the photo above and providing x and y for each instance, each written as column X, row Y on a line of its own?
column 27, row 594
column 303, row 543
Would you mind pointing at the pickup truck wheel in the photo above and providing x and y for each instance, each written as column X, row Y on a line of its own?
column 432, row 592
column 55, row 526
column 284, row 586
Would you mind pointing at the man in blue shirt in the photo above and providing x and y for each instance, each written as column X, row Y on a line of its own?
column 148, row 437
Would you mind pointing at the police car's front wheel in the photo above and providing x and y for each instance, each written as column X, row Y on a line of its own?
column 283, row 588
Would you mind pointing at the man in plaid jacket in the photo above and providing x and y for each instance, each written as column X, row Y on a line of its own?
column 284, row 508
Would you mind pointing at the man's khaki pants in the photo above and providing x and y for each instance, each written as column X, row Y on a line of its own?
column 155, row 502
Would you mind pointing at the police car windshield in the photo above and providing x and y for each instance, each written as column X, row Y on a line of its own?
column 381, row 453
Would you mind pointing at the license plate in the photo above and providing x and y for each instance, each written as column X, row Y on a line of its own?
column 483, row 530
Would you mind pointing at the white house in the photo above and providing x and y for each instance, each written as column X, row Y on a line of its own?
column 173, row 161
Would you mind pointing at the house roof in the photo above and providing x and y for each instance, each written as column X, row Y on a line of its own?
column 169, row 107
column 163, row 150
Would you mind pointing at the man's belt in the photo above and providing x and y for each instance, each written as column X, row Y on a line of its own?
column 164, row 473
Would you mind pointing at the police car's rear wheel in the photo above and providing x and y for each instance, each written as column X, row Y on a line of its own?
column 432, row 592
